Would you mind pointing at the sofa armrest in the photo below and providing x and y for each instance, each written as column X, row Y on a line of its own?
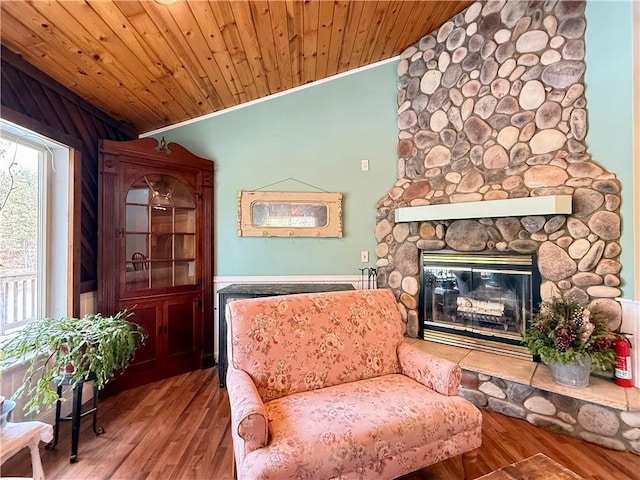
column 248, row 415
column 437, row 373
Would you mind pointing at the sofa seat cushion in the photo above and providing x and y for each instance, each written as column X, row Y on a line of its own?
column 325, row 433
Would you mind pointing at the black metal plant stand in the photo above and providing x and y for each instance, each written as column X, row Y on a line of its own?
column 76, row 414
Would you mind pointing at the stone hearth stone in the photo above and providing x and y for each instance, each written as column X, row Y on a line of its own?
column 518, row 392
column 515, row 369
column 449, row 352
column 631, row 419
column 476, row 397
column 598, row 420
column 599, row 390
column 606, row 442
column 550, row 423
column 506, row 408
column 492, row 390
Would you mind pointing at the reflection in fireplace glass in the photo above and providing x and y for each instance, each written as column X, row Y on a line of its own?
column 480, row 295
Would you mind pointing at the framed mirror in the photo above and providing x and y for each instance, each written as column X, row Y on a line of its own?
column 289, row 214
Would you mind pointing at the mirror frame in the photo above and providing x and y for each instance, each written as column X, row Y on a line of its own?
column 247, row 227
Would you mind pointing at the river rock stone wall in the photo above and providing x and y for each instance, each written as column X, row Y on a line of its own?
column 605, row 426
column 491, row 106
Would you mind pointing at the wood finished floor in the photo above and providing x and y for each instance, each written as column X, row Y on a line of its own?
column 179, row 429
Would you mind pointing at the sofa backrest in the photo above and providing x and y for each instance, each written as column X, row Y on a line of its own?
column 295, row 343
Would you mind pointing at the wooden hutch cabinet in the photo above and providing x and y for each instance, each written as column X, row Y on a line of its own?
column 155, row 253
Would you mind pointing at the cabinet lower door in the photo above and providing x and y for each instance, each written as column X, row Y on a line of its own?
column 173, row 343
column 182, row 332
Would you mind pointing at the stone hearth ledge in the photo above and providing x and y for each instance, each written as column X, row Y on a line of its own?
column 600, row 391
column 602, row 413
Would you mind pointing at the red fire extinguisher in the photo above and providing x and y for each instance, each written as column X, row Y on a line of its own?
column 622, row 347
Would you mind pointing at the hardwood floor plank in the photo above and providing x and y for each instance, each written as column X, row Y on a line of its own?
column 179, row 429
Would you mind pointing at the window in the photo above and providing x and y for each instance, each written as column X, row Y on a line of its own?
column 34, row 212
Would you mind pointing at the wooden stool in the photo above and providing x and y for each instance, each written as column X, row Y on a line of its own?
column 537, row 467
column 76, row 414
column 15, row 436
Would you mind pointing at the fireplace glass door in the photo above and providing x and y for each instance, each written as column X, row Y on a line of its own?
column 479, row 295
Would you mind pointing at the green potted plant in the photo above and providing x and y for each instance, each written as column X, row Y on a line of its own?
column 571, row 340
column 73, row 349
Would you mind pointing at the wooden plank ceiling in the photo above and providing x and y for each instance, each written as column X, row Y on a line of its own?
column 152, row 65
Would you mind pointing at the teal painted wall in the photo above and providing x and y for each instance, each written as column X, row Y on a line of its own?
column 317, row 135
column 609, row 92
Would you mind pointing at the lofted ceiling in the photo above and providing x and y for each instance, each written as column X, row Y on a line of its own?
column 154, row 65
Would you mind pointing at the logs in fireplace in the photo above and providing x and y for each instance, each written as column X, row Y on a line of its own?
column 483, row 300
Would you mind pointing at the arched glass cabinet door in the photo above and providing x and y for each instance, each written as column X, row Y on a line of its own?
column 160, row 233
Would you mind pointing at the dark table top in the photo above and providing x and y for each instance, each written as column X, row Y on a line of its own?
column 285, row 288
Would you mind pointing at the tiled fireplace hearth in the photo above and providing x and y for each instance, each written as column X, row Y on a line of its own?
column 491, row 107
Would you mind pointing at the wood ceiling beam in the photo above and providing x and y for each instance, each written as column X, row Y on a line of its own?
column 310, row 41
column 295, row 25
column 226, row 24
column 279, row 24
column 261, row 15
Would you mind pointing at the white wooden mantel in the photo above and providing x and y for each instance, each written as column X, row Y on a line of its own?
column 510, row 207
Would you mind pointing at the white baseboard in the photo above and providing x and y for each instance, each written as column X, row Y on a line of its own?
column 225, row 280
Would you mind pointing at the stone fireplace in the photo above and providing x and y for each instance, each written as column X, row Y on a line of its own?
column 491, row 107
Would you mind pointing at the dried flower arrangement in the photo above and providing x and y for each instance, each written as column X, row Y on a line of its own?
column 565, row 331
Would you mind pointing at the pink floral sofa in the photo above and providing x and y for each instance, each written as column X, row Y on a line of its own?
column 322, row 386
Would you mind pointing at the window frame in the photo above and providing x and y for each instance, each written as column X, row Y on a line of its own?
column 56, row 220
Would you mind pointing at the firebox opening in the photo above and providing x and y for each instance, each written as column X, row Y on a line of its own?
column 483, row 301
